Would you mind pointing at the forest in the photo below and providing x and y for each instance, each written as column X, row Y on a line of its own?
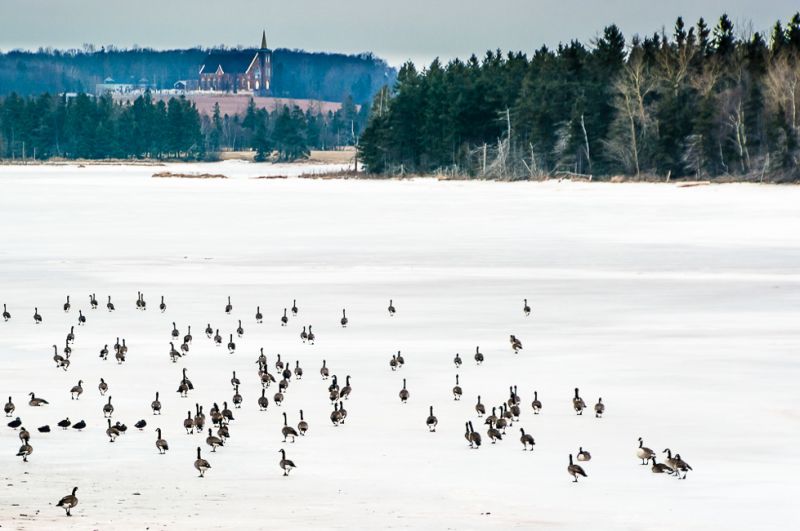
column 297, row 74
column 702, row 102
column 87, row 127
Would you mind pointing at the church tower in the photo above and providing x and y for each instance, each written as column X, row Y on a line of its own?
column 264, row 66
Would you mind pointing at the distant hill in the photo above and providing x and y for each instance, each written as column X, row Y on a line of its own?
column 296, row 74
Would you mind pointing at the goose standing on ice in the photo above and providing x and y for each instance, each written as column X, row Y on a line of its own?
column 478, row 356
column 287, row 431
column 311, row 336
column 155, row 405
column 108, row 409
column 188, row 423
column 36, row 317
column 536, row 404
column 173, row 353
column 391, row 308
column 112, row 432
column 404, row 393
column 681, row 466
column 104, row 352
column 213, row 441
column 599, row 408
column 67, row 305
column 217, row 338
column 286, row 464
column 209, row 331
column 644, row 453
column 480, row 408
column 302, row 426
column 9, row 407
column 109, row 304
column 161, row 444
column 76, row 391
column 400, row 360
column 71, row 335
column 575, row 470
column 229, row 306
column 526, row 439
column 516, row 344
column 69, row 501
column 263, row 401
column 259, row 317
column 474, row 437
column 6, row 315
column 393, row 362
column 431, row 421
column 457, row 392
column 294, row 307
column 81, row 318
column 231, row 345
column 239, row 329
column 201, row 464
column 93, row 301
column 237, row 398
column 578, row 403
column 174, row 332
column 457, row 361
column 163, row 305
column 324, row 371
column 284, row 319
column 346, row 390
column 344, row 319
column 526, row 309
column 298, row 371
column 235, row 381
column 304, row 335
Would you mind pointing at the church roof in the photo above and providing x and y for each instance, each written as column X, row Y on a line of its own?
column 231, row 62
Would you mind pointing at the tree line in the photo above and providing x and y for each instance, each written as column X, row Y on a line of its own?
column 87, row 127
column 703, row 102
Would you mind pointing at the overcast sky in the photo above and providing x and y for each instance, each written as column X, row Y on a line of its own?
column 397, row 30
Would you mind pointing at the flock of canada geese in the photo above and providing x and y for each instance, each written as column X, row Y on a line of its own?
column 499, row 419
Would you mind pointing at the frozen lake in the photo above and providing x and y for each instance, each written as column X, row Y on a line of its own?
column 678, row 306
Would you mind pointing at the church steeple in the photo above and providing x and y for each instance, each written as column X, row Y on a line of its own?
column 264, row 40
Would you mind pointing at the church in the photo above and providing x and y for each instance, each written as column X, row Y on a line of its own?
column 238, row 70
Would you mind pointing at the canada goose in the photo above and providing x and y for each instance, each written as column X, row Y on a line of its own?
column 516, row 344
column 235, row 381
column 142, row 303
column 14, row 424
column 104, row 352
column 6, row 315
column 344, row 319
column 644, row 453
column 294, row 307
column 478, row 356
column 304, row 335
column 9, row 407
column 44, row 429
column 199, row 418
column 76, row 391
column 217, row 338
column 173, row 353
column 298, row 371
column 25, row 435
column 336, row 415
column 120, row 356
column 123, row 348
column 474, row 437
column 140, row 425
column 287, row 371
column 284, row 319
column 393, row 362
column 183, row 389
column 660, row 468
column 536, row 404
column 64, row 424
column 578, row 403
column 575, row 470
column 311, row 336
column 491, row 418
column 599, row 408
column 229, row 306
column 342, row 413
column 223, row 432
column 526, row 309
column 302, row 426
column 188, row 423
column 278, row 363
column 174, row 331
column 109, row 304
column 457, row 361
column 184, row 348
column 583, row 455
column 79, row 425
column 278, row 398
column 186, row 380
column 108, row 409
column 36, row 402
column 67, row 348
column 123, row 429
column 237, row 398
column 400, row 360
column 67, row 305
column 287, row 430
column 112, row 432
column 71, row 335
column 286, row 464
column 138, row 300
column 201, row 464
column 239, row 329
column 526, row 439
column 155, row 405
column 480, row 408
column 102, row 387
column 500, row 422
column 324, row 371
column 161, row 444
column 259, row 317
column 36, row 317
column 81, row 318
column 391, row 308
column 213, row 441
column 188, row 337
column 431, row 421
column 346, row 390
column 93, row 301
column 404, row 393
column 263, row 401
column 69, row 501
column 209, row 331
column 227, row 413
column 457, row 392
column 163, row 305
column 262, row 359
column 681, row 466
column 231, row 345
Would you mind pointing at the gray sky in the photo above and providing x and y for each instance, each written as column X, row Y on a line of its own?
column 398, row 30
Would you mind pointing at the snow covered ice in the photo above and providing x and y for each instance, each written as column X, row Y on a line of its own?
column 677, row 306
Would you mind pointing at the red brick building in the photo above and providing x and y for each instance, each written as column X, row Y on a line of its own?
column 238, row 70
